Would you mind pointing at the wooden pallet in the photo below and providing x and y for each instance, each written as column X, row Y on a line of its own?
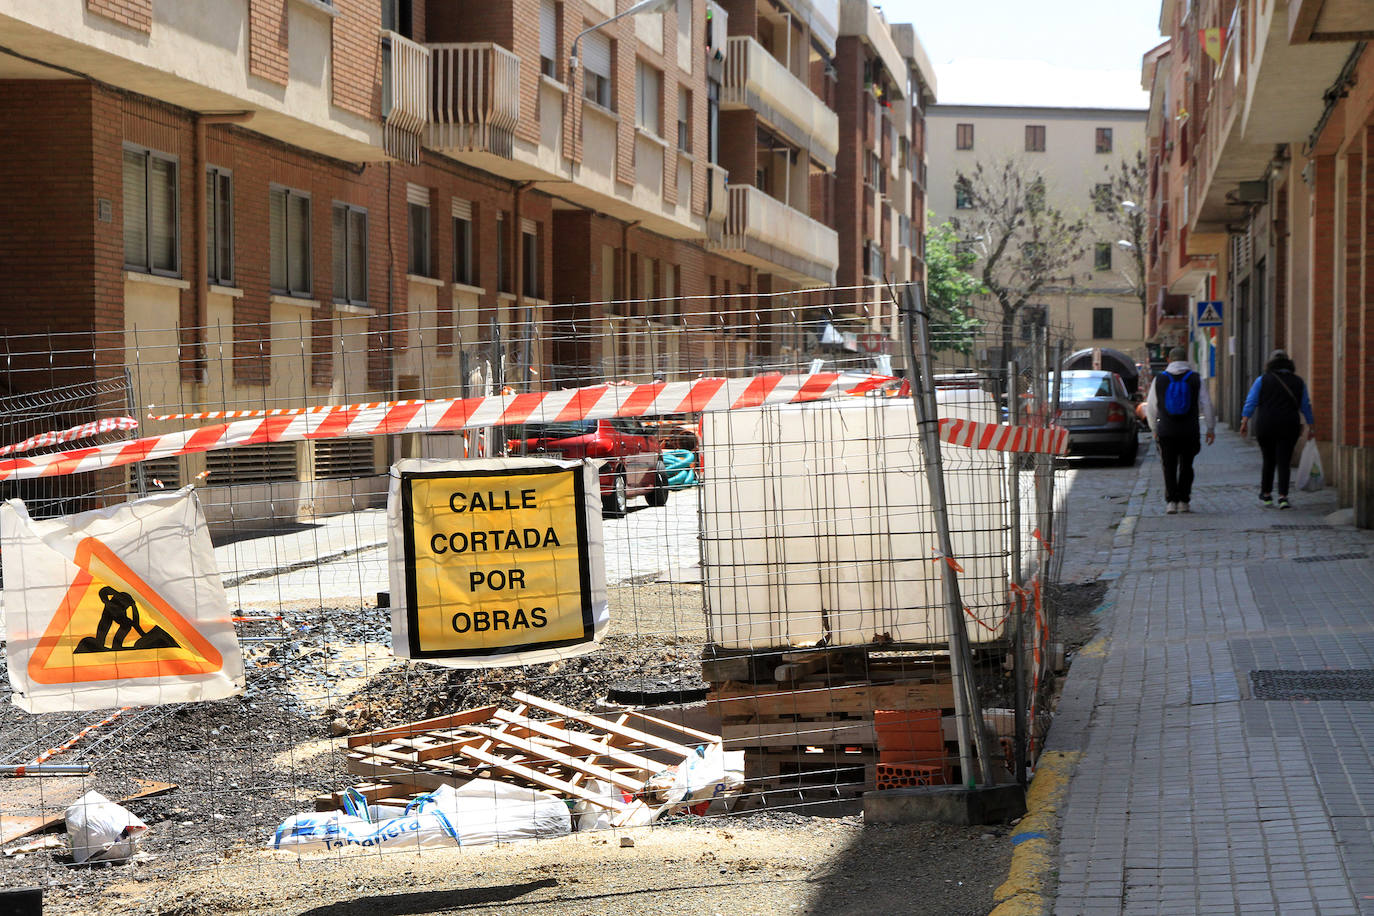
column 562, row 754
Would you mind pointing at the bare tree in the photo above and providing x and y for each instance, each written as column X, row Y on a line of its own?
column 1026, row 244
column 1124, row 211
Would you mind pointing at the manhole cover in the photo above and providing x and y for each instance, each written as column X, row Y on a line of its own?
column 1343, row 684
column 1328, row 557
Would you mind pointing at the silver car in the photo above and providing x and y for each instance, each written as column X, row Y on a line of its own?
column 1098, row 413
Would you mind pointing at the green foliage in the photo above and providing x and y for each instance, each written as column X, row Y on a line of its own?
column 950, row 289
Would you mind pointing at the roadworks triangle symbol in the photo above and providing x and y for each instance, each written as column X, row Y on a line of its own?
column 111, row 625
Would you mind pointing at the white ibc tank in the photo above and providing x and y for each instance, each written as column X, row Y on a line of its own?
column 817, row 525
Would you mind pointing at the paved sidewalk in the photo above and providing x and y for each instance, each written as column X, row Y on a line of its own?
column 1196, row 792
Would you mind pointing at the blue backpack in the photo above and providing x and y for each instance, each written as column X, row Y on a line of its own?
column 1178, row 396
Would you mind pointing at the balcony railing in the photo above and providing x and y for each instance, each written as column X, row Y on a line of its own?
column 778, row 235
column 476, row 98
column 405, row 95
column 756, row 79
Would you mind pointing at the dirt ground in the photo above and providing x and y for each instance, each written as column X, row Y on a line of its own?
column 242, row 765
column 763, row 863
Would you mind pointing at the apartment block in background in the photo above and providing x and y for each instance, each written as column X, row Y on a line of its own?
column 1261, row 176
column 1075, row 150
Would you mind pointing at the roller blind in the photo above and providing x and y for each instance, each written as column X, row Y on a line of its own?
column 162, row 212
column 276, row 227
column 135, row 209
column 548, row 30
column 596, row 54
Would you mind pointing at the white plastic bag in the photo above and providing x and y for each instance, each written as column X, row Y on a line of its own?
column 1309, row 475
column 102, row 831
column 712, row 773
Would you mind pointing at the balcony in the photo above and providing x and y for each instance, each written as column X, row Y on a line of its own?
column 756, row 80
column 405, row 96
column 765, row 232
column 476, row 100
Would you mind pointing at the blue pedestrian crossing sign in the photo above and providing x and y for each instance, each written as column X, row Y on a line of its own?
column 1209, row 314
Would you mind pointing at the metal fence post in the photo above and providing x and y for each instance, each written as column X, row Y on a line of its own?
column 968, row 714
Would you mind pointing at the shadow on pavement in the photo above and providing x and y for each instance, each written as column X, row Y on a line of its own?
column 429, row 901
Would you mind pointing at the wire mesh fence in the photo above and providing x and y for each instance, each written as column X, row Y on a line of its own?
column 774, row 572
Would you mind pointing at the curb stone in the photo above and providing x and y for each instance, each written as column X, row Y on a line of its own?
column 1028, row 890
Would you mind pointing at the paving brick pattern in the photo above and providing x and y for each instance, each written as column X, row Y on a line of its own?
column 1192, row 796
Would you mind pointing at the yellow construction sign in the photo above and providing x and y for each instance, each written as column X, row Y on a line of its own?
column 112, row 625
column 496, row 563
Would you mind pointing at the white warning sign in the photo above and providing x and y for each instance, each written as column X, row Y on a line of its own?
column 116, row 607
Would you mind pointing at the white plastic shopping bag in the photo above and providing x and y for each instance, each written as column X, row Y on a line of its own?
column 1309, row 475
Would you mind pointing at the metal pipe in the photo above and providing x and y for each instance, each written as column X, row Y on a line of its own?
column 968, row 716
column 45, row 769
column 1018, row 658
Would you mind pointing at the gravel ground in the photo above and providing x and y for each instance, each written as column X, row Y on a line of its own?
column 242, row 765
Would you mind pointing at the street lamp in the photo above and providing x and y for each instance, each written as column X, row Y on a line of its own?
column 1130, row 207
column 644, row 6
column 1125, row 244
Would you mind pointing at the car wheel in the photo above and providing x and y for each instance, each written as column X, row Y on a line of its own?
column 617, row 502
column 1127, row 456
column 658, row 496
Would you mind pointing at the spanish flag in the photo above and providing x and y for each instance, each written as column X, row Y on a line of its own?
column 1212, row 41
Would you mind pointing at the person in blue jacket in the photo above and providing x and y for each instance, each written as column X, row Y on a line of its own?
column 1279, row 404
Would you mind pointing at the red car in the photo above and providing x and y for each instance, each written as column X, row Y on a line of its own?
column 633, row 466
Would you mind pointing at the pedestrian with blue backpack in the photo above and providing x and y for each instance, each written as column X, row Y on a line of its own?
column 1279, row 403
column 1177, row 405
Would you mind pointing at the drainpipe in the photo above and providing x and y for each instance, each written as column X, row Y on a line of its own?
column 201, row 279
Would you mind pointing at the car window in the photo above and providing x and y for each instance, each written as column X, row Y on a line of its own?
column 1077, row 388
column 561, row 430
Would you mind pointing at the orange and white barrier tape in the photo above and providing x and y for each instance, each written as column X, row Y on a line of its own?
column 509, row 409
column 593, row 403
column 84, row 431
column 1051, row 440
column 277, row 411
column 54, row 751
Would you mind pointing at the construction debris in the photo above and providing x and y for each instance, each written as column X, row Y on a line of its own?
column 625, row 768
column 101, row 831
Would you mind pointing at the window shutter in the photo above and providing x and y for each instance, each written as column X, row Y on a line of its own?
column 357, row 255
column 417, row 194
column 647, row 85
column 211, row 224
column 135, row 209
column 298, row 243
column 596, row 54
column 276, row 218
column 224, row 210
column 548, row 29
column 462, row 209
column 162, row 200
column 339, row 246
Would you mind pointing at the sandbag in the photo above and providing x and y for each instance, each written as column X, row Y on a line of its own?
column 101, row 831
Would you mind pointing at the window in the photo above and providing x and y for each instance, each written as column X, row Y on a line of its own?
column 397, row 17
column 548, row 38
column 1104, row 140
column 529, row 261
column 350, row 254
column 596, row 68
column 1102, row 198
column 150, row 212
column 963, row 136
column 648, row 93
column 463, row 268
column 1102, row 256
column 1035, row 138
column 684, row 119
column 712, row 120
column 963, row 197
column 219, row 226
column 289, row 228
column 1102, row 324
column 419, row 240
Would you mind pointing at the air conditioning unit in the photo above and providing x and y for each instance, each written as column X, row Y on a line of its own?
column 1251, row 192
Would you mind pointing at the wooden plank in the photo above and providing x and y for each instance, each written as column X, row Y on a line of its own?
column 583, row 742
column 801, row 667
column 543, row 779
column 861, row 699
column 706, row 737
column 412, row 729
column 53, row 809
column 798, row 734
column 577, row 764
column 606, row 725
